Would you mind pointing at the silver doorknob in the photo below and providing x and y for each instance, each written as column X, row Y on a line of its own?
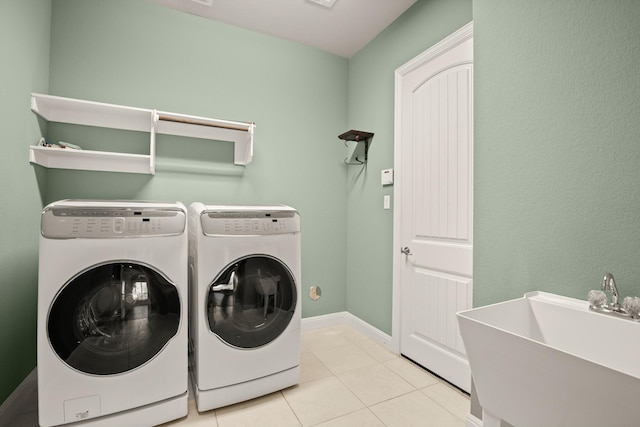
column 406, row 250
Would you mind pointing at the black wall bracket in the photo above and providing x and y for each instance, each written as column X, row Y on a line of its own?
column 360, row 153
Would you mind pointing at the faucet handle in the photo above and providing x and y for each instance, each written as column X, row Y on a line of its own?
column 632, row 306
column 597, row 299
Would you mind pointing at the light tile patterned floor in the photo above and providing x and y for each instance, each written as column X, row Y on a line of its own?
column 346, row 380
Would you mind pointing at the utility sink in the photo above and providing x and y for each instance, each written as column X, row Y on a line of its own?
column 547, row 360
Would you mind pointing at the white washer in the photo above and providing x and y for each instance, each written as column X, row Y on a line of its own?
column 244, row 271
column 112, row 313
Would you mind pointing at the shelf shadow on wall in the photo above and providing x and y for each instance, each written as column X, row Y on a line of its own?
column 196, row 156
column 59, row 184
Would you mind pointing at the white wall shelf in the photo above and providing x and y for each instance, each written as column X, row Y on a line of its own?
column 68, row 158
column 88, row 113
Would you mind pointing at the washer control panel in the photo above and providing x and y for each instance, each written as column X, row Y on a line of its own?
column 250, row 223
column 69, row 223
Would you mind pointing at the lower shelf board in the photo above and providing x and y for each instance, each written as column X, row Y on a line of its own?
column 69, row 158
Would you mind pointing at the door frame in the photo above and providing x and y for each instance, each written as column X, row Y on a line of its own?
column 449, row 42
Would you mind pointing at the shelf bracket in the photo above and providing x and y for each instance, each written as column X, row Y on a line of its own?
column 360, row 153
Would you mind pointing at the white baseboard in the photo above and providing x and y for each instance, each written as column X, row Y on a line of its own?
column 346, row 318
column 324, row 321
column 472, row 421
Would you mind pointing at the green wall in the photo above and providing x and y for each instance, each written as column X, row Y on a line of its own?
column 24, row 49
column 557, row 147
column 371, row 108
column 556, row 140
column 141, row 54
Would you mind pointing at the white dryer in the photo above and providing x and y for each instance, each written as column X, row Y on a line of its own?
column 112, row 313
column 244, row 272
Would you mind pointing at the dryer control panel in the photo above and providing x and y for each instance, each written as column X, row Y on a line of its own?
column 96, row 223
column 250, row 223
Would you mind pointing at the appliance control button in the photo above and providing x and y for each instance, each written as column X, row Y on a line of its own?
column 118, row 225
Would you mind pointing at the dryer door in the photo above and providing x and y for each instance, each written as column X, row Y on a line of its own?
column 113, row 318
column 251, row 302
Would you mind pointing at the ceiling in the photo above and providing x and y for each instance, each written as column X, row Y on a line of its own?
column 342, row 29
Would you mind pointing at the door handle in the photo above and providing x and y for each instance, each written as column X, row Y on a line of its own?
column 406, row 250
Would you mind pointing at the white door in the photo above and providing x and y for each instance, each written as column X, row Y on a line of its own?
column 433, row 204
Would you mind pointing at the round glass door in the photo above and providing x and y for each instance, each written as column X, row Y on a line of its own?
column 113, row 318
column 251, row 302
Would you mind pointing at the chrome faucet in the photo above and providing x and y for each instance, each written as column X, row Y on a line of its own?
column 608, row 284
column 630, row 307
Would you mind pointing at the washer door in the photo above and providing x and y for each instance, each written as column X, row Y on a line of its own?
column 113, row 318
column 251, row 302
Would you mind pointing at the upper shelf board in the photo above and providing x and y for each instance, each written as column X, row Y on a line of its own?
column 89, row 113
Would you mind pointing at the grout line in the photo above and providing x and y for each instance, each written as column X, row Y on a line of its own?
column 291, row 407
column 440, row 404
column 368, row 407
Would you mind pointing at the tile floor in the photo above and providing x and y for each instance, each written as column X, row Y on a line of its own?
column 348, row 380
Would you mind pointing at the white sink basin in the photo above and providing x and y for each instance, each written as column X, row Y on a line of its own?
column 547, row 360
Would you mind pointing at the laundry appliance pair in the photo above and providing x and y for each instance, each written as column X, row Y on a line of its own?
column 113, row 308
